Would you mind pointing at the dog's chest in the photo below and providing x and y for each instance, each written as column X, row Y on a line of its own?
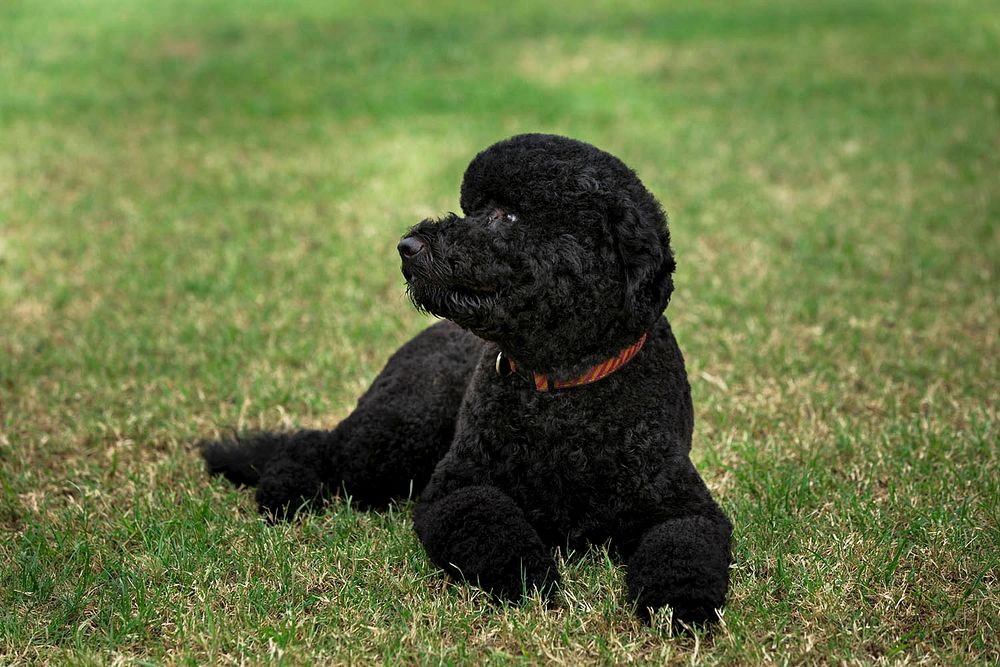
column 565, row 457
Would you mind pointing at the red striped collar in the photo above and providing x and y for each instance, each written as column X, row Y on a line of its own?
column 505, row 366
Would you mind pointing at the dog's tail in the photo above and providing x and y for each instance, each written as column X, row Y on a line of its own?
column 240, row 458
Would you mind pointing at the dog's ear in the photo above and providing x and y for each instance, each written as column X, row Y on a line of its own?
column 642, row 241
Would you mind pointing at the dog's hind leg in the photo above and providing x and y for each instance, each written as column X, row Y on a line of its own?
column 683, row 561
column 387, row 448
column 290, row 470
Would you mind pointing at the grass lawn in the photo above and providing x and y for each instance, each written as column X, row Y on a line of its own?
column 199, row 205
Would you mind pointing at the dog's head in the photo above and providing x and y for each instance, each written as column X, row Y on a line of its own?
column 563, row 257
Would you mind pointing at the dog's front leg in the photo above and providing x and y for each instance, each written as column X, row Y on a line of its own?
column 683, row 561
column 479, row 534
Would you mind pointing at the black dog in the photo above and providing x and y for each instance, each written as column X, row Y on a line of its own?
column 556, row 413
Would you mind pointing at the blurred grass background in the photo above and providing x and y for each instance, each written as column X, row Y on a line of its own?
column 199, row 204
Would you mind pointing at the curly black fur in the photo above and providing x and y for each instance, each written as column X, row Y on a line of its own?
column 561, row 260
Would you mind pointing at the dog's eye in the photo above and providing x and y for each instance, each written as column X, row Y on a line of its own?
column 498, row 214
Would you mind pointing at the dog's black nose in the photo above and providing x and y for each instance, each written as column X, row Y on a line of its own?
column 410, row 246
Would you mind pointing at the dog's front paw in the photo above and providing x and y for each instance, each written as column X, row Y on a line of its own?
column 683, row 564
column 478, row 533
column 285, row 487
column 692, row 610
column 513, row 584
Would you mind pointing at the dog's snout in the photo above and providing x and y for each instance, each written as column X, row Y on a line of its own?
column 410, row 247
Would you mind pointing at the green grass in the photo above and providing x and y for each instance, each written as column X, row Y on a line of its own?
column 199, row 204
